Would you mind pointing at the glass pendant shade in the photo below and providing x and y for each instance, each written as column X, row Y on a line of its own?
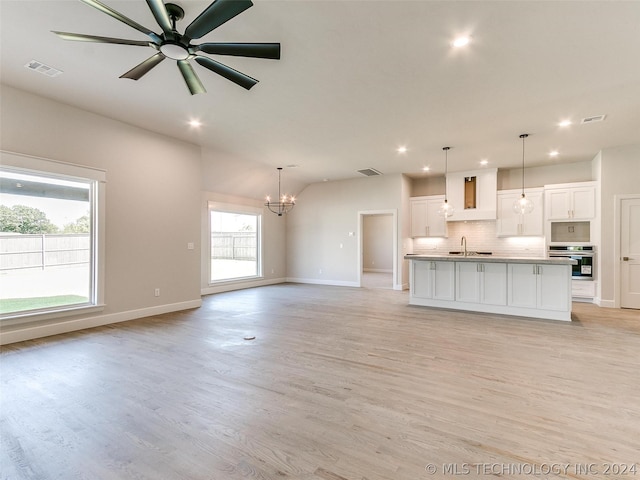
column 523, row 205
column 446, row 209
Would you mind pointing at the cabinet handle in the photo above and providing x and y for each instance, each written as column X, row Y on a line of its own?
column 539, row 270
column 535, row 270
column 432, row 265
column 428, row 230
column 569, row 213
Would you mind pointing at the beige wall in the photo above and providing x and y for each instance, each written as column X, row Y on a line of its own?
column 377, row 243
column 620, row 174
column 152, row 203
column 321, row 223
column 512, row 178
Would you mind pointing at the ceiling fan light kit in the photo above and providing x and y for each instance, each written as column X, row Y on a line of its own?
column 173, row 45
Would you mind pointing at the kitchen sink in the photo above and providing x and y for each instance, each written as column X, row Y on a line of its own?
column 470, row 254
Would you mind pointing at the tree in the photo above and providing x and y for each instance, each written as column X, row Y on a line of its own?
column 23, row 219
column 81, row 225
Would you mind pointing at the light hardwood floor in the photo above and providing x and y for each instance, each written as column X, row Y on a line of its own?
column 339, row 383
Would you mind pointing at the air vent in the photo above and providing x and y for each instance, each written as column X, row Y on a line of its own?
column 369, row 172
column 43, row 69
column 594, row 119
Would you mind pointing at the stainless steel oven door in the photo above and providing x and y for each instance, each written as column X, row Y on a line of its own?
column 583, row 270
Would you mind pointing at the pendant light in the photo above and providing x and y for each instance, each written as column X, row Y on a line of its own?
column 523, row 204
column 446, row 209
column 285, row 202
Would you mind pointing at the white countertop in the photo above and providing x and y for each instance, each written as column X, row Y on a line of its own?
column 492, row 259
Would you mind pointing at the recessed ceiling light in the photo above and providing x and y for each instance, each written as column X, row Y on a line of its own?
column 195, row 123
column 426, row 169
column 461, row 42
column 484, row 162
column 564, row 123
column 554, row 153
column 402, row 149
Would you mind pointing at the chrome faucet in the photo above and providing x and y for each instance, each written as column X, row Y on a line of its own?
column 463, row 241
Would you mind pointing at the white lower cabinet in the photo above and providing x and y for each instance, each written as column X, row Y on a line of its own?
column 433, row 280
column 545, row 287
column 484, row 283
column 538, row 290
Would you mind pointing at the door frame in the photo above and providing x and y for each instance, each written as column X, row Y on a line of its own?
column 394, row 214
column 617, row 225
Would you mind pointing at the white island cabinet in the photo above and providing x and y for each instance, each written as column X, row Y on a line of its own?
column 526, row 287
column 433, row 280
column 481, row 282
column 539, row 286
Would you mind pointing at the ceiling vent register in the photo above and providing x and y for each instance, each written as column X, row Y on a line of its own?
column 594, row 119
column 369, row 172
column 43, row 69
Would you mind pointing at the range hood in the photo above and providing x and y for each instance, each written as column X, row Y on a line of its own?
column 473, row 194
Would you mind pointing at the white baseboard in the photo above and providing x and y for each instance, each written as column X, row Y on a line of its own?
column 229, row 287
column 377, row 270
column 315, row 281
column 604, row 303
column 30, row 332
column 404, row 286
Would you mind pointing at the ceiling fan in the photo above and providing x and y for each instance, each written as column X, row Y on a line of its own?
column 171, row 44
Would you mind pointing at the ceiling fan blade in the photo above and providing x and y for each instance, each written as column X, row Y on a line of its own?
column 190, row 77
column 139, row 70
column 219, row 12
column 229, row 73
column 160, row 13
column 255, row 50
column 118, row 16
column 94, row 38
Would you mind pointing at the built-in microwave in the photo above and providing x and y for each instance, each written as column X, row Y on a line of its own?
column 584, row 255
column 570, row 233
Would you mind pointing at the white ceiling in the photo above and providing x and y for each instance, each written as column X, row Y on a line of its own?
column 357, row 79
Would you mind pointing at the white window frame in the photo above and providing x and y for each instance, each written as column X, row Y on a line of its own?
column 243, row 210
column 27, row 164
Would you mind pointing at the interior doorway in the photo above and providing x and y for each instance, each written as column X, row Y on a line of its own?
column 630, row 252
column 378, row 240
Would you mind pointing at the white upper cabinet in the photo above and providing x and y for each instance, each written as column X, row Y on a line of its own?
column 473, row 194
column 511, row 224
column 575, row 201
column 425, row 221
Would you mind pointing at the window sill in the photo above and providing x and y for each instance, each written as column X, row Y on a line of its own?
column 33, row 316
column 232, row 281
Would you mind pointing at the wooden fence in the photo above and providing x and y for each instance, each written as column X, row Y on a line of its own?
column 233, row 245
column 42, row 251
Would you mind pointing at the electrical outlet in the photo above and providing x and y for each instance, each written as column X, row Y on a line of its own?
column 273, row 270
column 156, row 293
column 190, row 246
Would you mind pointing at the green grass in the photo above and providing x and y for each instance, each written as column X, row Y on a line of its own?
column 12, row 305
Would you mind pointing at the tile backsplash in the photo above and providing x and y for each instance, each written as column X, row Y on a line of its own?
column 481, row 237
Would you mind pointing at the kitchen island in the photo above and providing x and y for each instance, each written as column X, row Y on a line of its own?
column 521, row 286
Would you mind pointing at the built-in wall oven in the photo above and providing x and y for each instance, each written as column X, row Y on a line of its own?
column 583, row 254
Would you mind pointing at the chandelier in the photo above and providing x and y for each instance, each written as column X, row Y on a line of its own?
column 285, row 203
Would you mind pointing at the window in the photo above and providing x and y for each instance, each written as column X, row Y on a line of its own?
column 48, row 240
column 235, row 244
